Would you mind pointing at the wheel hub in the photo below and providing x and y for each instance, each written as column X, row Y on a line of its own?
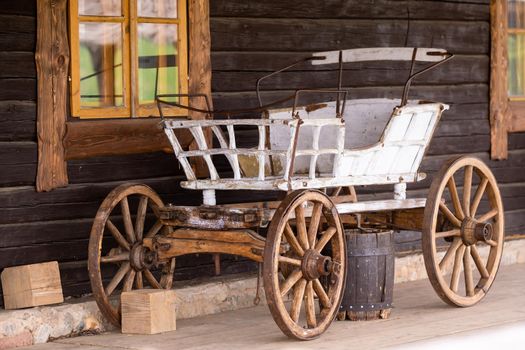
column 141, row 257
column 315, row 265
column 473, row 231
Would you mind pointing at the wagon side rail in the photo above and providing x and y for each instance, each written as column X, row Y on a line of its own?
column 262, row 154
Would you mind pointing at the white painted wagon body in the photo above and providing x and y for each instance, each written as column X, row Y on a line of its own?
column 373, row 141
column 324, row 154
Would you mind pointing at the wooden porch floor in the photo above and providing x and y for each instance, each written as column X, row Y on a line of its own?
column 419, row 320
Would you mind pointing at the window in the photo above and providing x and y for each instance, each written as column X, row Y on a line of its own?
column 507, row 85
column 516, row 50
column 124, row 53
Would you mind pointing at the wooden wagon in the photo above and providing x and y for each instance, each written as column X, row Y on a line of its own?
column 307, row 152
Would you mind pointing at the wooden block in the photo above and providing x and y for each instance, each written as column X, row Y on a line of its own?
column 148, row 311
column 31, row 285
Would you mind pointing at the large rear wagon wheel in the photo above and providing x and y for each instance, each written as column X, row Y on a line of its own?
column 313, row 252
column 470, row 227
column 117, row 260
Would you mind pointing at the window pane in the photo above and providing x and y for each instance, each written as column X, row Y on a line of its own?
column 101, row 83
column 516, row 65
column 516, row 10
column 99, row 7
column 157, row 8
column 158, row 72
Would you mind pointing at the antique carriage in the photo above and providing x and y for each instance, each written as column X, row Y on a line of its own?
column 309, row 153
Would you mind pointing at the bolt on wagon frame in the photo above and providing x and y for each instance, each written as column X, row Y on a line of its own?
column 303, row 151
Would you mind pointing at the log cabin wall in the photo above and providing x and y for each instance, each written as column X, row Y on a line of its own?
column 249, row 38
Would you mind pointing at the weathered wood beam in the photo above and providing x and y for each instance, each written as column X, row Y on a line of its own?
column 200, row 68
column 52, row 62
column 516, row 122
column 499, row 108
column 87, row 139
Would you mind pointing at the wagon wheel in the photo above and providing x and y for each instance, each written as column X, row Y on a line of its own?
column 473, row 231
column 116, row 254
column 313, row 260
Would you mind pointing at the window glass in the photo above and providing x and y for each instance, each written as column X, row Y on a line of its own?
column 100, row 56
column 516, row 9
column 99, row 7
column 157, row 8
column 516, row 48
column 157, row 51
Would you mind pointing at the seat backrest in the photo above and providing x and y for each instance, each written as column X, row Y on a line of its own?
column 380, row 54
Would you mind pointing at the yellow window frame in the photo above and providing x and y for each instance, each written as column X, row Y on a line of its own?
column 129, row 20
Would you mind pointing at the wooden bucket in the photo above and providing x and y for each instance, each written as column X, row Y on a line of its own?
column 370, row 275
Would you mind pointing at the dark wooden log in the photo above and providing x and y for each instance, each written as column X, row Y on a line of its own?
column 123, row 168
column 465, row 69
column 17, row 65
column 17, row 33
column 516, row 141
column 23, row 89
column 319, row 34
column 20, row 7
column 352, row 9
column 17, row 121
column 370, row 275
column 18, row 161
column 454, row 94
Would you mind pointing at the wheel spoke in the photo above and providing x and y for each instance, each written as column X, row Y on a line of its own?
column 300, row 223
column 451, row 233
column 288, row 283
column 166, row 281
column 292, row 240
column 311, row 320
column 115, row 258
column 491, row 214
column 467, row 190
column 454, row 282
column 449, row 254
column 154, row 230
column 448, row 214
column 128, row 282
column 151, row 279
column 492, row 243
column 126, row 216
column 323, row 297
column 139, row 283
column 479, row 262
column 469, row 282
column 297, row 302
column 141, row 217
column 477, row 196
column 122, row 271
column 117, row 235
column 325, row 238
column 313, row 228
column 290, row 261
column 455, row 197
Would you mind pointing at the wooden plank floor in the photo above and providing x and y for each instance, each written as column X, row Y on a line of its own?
column 419, row 320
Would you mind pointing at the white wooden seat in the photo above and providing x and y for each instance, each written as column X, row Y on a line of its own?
column 325, row 145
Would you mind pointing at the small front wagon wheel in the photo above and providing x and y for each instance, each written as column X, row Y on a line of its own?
column 304, row 259
column 118, row 261
column 471, row 228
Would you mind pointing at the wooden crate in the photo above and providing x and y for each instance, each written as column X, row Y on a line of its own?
column 148, row 311
column 31, row 285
